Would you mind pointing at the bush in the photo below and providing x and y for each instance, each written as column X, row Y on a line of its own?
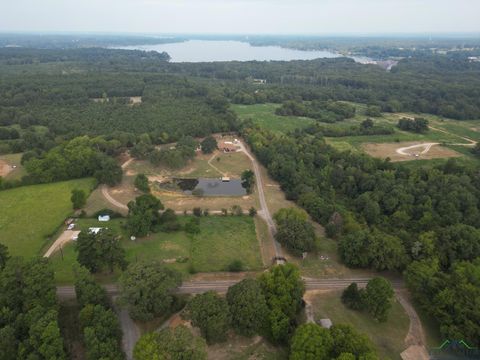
column 235, row 266
column 197, row 211
column 252, row 211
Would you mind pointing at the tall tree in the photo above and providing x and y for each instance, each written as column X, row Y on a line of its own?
column 174, row 344
column 377, row 298
column 147, row 289
column 210, row 313
column 248, row 308
column 311, row 342
column 143, row 214
column 78, row 198
column 3, row 256
column 283, row 289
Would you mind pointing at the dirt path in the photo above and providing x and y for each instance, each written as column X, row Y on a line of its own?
column 415, row 339
column 470, row 141
column 107, row 195
column 214, row 167
column 64, row 237
column 130, row 330
column 111, row 200
column 426, row 146
column 264, row 211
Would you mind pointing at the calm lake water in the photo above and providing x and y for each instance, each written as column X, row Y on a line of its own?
column 213, row 187
column 209, row 51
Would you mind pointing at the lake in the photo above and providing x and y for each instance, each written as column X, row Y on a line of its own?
column 212, row 50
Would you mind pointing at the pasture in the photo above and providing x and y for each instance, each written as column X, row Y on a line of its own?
column 388, row 337
column 222, row 239
column 264, row 116
column 30, row 215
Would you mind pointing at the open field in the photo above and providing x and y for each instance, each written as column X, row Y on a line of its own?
column 406, row 151
column 30, row 215
column 264, row 116
column 220, row 241
column 11, row 167
column 213, row 165
column 388, row 337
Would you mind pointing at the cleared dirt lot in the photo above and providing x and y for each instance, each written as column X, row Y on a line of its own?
column 389, row 150
column 5, row 168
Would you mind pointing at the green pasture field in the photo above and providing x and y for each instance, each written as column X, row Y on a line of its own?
column 30, row 215
column 222, row 239
column 264, row 116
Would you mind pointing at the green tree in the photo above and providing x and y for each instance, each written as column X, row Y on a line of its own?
column 103, row 249
column 101, row 333
column 87, row 290
column 8, row 343
column 348, row 340
column 209, row 145
column 248, row 180
column 311, row 342
column 209, row 312
column 141, row 183
column 3, row 256
column 173, row 344
column 248, row 307
column 377, row 298
column 294, row 231
column 79, row 199
column 373, row 111
column 108, row 172
column 283, row 289
column 147, row 289
column 143, row 214
column 87, row 251
column 352, row 297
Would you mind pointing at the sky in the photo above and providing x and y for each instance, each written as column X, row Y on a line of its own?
column 242, row 16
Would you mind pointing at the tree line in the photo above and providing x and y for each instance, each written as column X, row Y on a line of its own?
column 385, row 216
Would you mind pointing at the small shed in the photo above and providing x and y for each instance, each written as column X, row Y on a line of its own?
column 326, row 323
column 104, row 218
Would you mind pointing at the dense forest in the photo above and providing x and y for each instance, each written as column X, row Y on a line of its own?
column 71, row 112
column 388, row 217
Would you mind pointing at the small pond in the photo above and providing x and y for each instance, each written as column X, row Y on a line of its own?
column 211, row 187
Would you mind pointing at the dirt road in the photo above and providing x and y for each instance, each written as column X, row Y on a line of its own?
column 130, row 330
column 107, row 195
column 64, row 237
column 264, row 211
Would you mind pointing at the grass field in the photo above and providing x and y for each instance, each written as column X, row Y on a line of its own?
column 30, row 214
column 388, row 336
column 221, row 241
column 264, row 116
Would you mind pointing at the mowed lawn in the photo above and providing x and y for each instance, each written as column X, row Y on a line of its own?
column 30, row 214
column 264, row 116
column 388, row 337
column 221, row 240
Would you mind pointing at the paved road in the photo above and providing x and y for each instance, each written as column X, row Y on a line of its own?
column 264, row 212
